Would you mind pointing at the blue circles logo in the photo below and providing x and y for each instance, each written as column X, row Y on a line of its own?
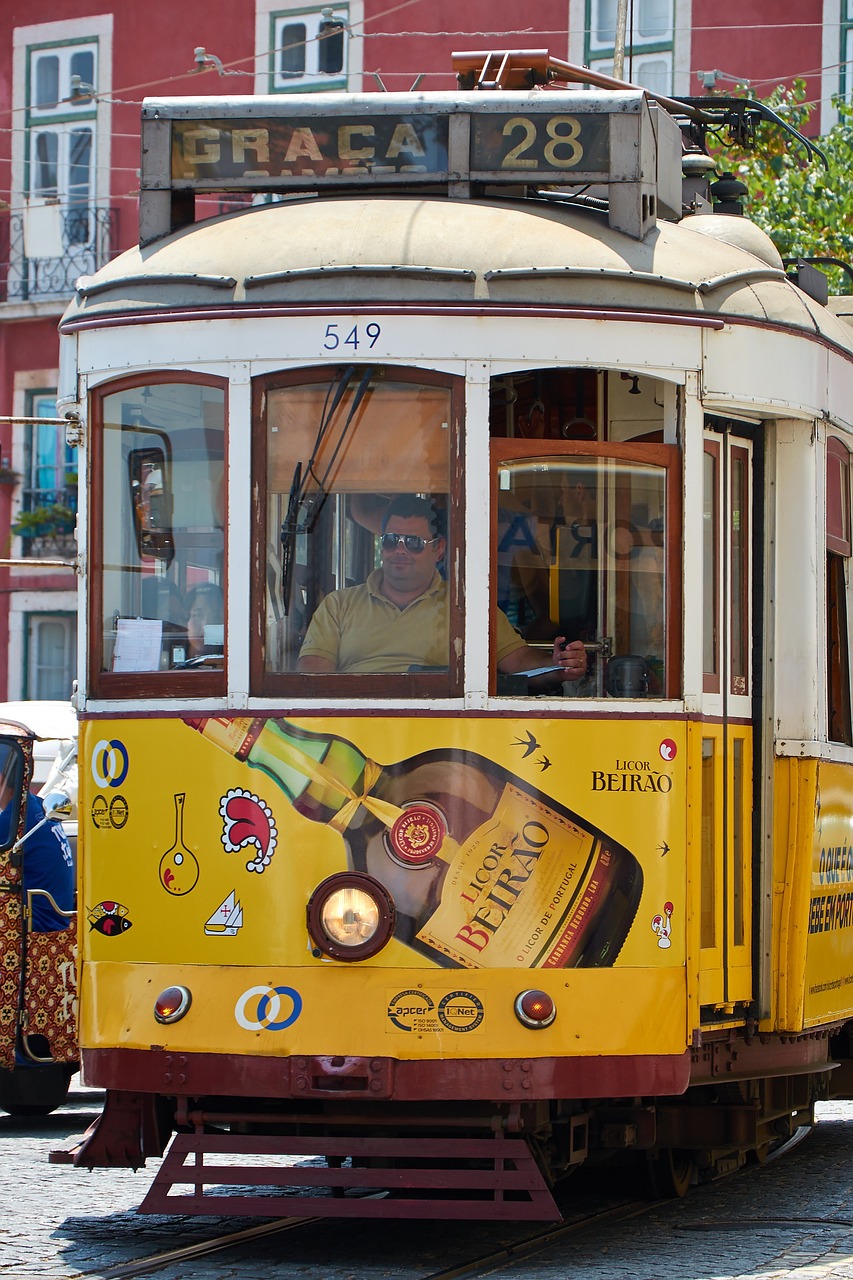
column 265, row 1003
column 110, row 763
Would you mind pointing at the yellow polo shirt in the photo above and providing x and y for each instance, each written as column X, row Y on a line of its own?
column 360, row 630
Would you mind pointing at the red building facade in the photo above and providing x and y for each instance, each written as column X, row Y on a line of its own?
column 73, row 74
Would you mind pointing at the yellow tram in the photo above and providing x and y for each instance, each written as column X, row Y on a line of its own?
column 374, row 867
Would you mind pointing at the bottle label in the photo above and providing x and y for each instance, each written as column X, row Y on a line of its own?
column 523, row 889
column 418, row 834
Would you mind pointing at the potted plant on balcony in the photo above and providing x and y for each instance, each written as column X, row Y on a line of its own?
column 8, row 475
column 49, row 528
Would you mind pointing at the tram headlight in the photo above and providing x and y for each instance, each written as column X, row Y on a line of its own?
column 535, row 1009
column 172, row 1004
column 350, row 916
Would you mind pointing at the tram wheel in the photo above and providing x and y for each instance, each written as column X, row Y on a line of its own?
column 671, row 1172
column 34, row 1091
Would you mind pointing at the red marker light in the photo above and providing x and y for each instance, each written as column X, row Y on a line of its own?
column 535, row 1009
column 172, row 1004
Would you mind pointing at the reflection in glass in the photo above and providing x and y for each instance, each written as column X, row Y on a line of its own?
column 162, row 528
column 11, row 780
column 739, row 555
column 580, row 553
column 710, row 564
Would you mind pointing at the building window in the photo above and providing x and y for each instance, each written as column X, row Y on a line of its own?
column 49, row 490
column 309, row 48
column 648, row 41
column 61, row 116
column 51, row 655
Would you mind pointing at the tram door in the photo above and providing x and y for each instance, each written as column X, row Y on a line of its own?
column 726, row 786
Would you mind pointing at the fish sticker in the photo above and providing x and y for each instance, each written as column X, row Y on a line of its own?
column 109, row 918
column 248, row 823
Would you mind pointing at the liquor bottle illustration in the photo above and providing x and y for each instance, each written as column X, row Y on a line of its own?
column 485, row 870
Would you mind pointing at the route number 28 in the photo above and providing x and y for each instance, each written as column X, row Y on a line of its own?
column 563, row 149
column 358, row 335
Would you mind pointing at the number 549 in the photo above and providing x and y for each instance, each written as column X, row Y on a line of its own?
column 358, row 335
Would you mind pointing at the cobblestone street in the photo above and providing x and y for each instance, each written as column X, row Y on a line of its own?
column 790, row 1220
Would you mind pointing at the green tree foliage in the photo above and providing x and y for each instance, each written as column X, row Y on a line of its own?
column 806, row 210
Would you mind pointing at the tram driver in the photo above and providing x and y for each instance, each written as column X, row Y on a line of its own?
column 398, row 619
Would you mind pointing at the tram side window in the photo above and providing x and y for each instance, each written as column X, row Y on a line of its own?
column 357, row 540
column 161, row 545
column 838, row 551
column 581, row 544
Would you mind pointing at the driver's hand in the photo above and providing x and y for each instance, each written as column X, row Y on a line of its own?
column 571, row 657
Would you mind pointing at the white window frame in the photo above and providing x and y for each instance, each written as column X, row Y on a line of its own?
column 639, row 41
column 23, row 606
column 640, row 65
column 65, row 38
column 65, row 53
column 34, row 622
column 271, row 16
column 584, row 49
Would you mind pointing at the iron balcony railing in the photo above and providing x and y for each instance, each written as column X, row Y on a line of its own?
column 88, row 234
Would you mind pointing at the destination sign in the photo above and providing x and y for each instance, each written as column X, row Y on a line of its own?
column 224, row 151
column 461, row 144
column 314, row 147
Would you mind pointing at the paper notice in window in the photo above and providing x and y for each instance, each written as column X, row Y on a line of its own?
column 138, row 644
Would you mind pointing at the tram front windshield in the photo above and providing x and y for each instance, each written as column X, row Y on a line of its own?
column 358, row 477
column 359, row 551
column 161, row 536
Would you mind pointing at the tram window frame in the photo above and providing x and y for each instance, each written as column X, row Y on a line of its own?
column 339, row 685
column 711, row 677
column 739, row 543
column 665, row 456
column 170, row 683
column 838, row 552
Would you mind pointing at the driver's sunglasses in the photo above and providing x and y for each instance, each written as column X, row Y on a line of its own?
column 413, row 542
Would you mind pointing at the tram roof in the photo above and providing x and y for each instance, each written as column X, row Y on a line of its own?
column 433, row 250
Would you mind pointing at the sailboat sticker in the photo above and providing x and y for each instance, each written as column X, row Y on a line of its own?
column 227, row 919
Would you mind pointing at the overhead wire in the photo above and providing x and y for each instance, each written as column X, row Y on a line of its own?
column 358, row 31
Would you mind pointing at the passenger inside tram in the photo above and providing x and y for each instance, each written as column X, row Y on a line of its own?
column 397, row 620
column 205, row 622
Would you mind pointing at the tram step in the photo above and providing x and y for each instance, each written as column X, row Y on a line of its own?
column 453, row 1177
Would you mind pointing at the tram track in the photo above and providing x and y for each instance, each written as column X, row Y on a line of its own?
column 509, row 1254
column 482, row 1264
column 189, row 1253
column 504, row 1256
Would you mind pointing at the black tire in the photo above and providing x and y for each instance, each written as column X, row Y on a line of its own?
column 34, row 1091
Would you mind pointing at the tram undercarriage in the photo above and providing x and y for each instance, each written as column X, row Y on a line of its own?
column 344, row 1156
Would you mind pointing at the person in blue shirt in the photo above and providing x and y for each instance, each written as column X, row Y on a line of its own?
column 48, row 862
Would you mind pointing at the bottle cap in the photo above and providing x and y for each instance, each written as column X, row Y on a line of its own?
column 418, row 834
